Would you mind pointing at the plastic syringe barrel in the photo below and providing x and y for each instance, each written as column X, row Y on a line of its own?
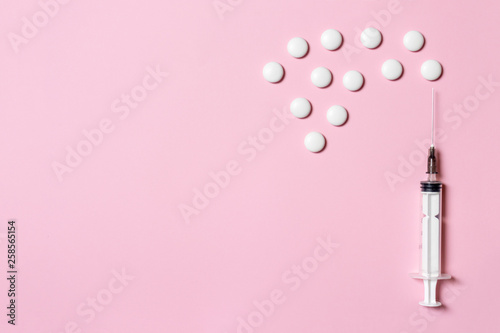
column 430, row 262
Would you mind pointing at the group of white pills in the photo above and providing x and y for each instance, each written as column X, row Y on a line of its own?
column 353, row 80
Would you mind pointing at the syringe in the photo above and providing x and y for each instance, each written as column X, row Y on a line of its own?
column 430, row 263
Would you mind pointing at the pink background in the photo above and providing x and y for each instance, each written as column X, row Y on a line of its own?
column 119, row 209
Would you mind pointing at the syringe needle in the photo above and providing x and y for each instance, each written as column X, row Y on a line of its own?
column 432, row 121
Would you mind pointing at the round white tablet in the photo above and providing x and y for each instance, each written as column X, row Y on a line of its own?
column 300, row 107
column 331, row 39
column 273, row 72
column 392, row 69
column 431, row 70
column 371, row 38
column 315, row 142
column 336, row 115
column 321, row 77
column 297, row 47
column 413, row 41
column 353, row 80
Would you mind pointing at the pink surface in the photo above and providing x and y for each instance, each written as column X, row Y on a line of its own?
column 235, row 264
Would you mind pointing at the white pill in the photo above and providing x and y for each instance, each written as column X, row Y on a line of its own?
column 297, row 47
column 315, row 142
column 273, row 72
column 371, row 38
column 413, row 41
column 336, row 115
column 353, row 80
column 300, row 107
column 331, row 39
column 392, row 69
column 321, row 77
column 431, row 70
